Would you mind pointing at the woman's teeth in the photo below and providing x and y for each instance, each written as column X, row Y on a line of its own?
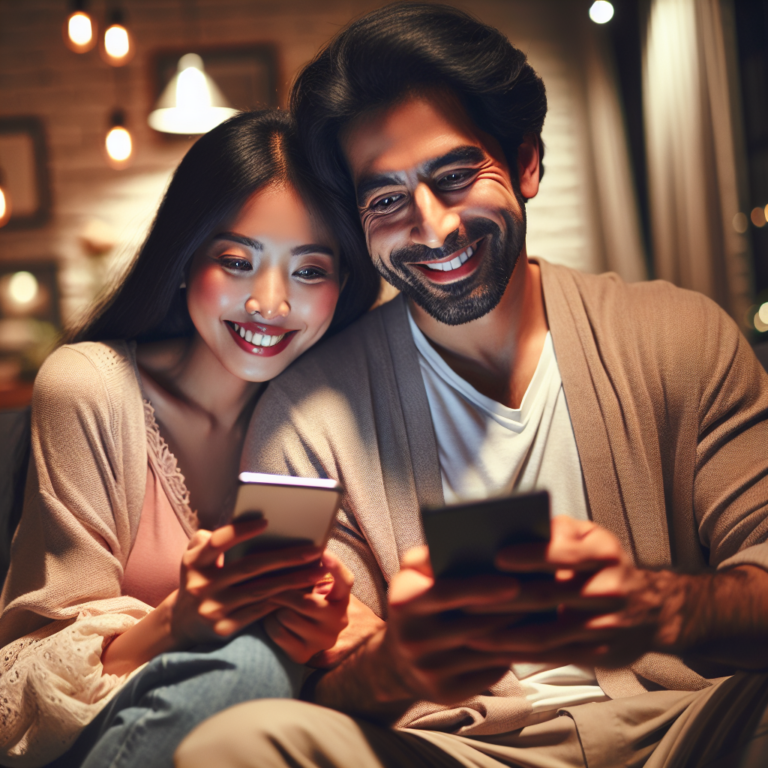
column 449, row 266
column 257, row 339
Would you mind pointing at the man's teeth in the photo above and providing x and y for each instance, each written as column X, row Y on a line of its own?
column 258, row 339
column 449, row 266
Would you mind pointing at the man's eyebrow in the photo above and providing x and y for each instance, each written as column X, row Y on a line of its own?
column 465, row 154
column 371, row 183
column 242, row 239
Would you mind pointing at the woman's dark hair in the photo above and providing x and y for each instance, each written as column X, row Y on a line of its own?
column 213, row 181
column 414, row 48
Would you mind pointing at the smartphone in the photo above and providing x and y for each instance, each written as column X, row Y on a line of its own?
column 463, row 539
column 298, row 511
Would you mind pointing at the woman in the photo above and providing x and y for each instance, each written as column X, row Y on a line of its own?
column 140, row 421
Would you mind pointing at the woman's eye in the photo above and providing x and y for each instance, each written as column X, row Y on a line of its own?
column 387, row 204
column 310, row 273
column 239, row 265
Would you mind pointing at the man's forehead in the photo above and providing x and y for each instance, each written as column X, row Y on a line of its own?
column 405, row 136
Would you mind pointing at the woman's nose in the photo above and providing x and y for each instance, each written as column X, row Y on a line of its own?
column 269, row 296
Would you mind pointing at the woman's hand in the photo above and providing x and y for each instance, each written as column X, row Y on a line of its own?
column 216, row 599
column 310, row 622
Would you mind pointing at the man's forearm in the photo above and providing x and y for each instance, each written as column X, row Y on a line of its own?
column 721, row 617
column 366, row 684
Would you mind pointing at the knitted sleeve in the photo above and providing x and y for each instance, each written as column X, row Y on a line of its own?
column 62, row 597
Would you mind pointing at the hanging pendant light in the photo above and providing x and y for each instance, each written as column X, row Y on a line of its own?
column 117, row 48
column 5, row 201
column 191, row 103
column 79, row 28
column 118, row 142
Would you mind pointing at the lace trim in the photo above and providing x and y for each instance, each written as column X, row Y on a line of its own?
column 170, row 474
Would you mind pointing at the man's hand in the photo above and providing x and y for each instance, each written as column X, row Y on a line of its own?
column 423, row 651
column 610, row 612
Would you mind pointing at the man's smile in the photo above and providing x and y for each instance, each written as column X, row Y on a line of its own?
column 455, row 266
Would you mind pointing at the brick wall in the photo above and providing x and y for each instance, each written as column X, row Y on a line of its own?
column 74, row 94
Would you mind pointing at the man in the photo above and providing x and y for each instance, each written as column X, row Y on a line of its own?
column 493, row 372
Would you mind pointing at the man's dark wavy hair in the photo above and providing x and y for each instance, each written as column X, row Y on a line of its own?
column 409, row 48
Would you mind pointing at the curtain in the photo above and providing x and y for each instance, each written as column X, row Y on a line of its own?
column 691, row 148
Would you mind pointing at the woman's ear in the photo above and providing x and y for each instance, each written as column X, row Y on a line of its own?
column 528, row 165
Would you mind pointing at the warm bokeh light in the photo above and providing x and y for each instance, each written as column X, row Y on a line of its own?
column 117, row 44
column 758, row 217
column 740, row 222
column 119, row 144
column 762, row 313
column 23, row 287
column 80, row 32
column 758, row 321
column 5, row 207
column 601, row 12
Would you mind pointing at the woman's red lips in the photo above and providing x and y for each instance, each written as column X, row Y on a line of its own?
column 264, row 341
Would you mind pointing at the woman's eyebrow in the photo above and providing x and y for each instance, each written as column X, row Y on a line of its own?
column 311, row 248
column 242, row 239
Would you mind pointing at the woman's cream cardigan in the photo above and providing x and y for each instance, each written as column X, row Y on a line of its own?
column 93, row 434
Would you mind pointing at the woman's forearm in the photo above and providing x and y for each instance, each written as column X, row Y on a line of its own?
column 142, row 642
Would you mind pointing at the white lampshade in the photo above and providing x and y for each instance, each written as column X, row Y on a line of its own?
column 191, row 102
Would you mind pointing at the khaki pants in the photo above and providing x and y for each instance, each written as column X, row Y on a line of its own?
column 724, row 726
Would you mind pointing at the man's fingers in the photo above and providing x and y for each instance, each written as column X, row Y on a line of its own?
column 422, row 596
column 575, row 544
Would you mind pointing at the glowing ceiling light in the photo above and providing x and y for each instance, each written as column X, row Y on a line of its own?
column 601, row 12
column 23, row 287
column 118, row 142
column 80, row 29
column 191, row 103
column 117, row 42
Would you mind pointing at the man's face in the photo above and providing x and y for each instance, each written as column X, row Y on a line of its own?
column 442, row 219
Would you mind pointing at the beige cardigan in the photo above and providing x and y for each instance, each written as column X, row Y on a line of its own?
column 92, row 438
column 670, row 413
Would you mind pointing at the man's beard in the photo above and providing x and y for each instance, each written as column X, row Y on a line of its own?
column 477, row 294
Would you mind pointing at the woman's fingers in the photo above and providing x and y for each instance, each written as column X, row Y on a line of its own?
column 205, row 547
column 343, row 578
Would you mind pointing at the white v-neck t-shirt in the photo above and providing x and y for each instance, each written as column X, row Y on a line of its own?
column 487, row 449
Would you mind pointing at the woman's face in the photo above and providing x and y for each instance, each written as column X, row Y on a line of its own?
column 263, row 288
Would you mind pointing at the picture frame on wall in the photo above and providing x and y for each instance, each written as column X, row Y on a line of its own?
column 24, row 171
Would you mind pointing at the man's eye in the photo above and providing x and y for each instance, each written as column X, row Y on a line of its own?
column 455, row 179
column 387, row 204
column 239, row 265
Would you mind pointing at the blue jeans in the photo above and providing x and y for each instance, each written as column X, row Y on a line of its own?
column 145, row 722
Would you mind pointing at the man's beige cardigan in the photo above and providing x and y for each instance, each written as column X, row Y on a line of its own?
column 670, row 413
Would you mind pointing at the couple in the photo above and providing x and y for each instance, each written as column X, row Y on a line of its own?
column 491, row 372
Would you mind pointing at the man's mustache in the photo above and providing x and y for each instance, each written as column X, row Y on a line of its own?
column 455, row 241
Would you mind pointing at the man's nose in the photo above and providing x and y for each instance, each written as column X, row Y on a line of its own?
column 434, row 220
column 269, row 295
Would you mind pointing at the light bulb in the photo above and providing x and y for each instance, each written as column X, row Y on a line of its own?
column 119, row 144
column 5, row 207
column 601, row 12
column 23, row 287
column 117, row 44
column 80, row 32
